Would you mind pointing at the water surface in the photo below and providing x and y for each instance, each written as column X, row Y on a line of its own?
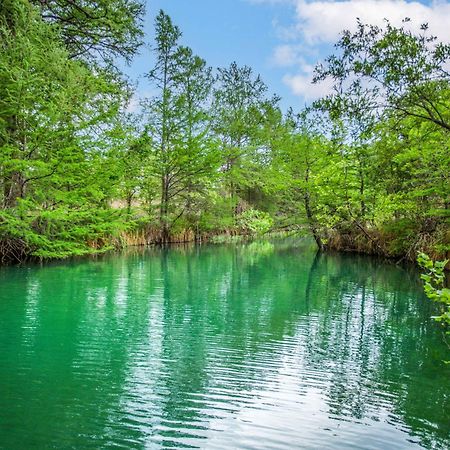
column 262, row 345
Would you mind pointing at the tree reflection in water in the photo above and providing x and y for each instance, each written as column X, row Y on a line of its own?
column 188, row 345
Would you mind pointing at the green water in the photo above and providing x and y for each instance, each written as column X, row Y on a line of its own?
column 262, row 346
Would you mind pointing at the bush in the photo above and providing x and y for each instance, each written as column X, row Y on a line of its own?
column 434, row 278
column 253, row 221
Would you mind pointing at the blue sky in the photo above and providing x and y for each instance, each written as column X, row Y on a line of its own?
column 280, row 39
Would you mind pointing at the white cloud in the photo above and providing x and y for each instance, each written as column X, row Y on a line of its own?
column 301, row 85
column 318, row 23
column 323, row 21
column 135, row 102
column 286, row 55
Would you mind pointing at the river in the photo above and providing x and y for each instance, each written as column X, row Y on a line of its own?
column 262, row 345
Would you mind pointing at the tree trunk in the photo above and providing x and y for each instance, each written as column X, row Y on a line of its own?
column 312, row 223
column 12, row 189
column 309, row 214
column 13, row 182
column 164, row 209
column 361, row 191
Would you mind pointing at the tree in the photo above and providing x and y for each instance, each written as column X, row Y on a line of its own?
column 240, row 100
column 56, row 117
column 179, row 139
column 392, row 97
column 389, row 71
column 103, row 29
column 299, row 159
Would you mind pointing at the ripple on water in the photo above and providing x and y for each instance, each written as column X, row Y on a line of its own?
column 221, row 348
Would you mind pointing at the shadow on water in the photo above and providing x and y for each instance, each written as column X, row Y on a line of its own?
column 261, row 344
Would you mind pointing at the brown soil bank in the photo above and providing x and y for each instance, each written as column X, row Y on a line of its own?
column 370, row 242
column 374, row 242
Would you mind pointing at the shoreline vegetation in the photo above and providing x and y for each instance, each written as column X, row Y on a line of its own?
column 211, row 154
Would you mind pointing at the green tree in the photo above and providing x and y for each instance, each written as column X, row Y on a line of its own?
column 390, row 71
column 391, row 96
column 299, row 158
column 96, row 30
column 177, row 128
column 240, row 101
column 56, row 137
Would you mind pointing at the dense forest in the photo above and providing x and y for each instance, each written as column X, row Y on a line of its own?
column 212, row 152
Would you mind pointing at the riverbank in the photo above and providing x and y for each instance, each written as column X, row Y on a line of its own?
column 360, row 241
column 389, row 245
column 373, row 243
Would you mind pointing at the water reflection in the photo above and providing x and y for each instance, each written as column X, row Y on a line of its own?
column 260, row 345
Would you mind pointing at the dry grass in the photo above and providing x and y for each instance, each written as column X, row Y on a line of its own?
column 375, row 242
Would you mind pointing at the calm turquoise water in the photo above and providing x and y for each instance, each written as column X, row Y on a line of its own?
column 262, row 346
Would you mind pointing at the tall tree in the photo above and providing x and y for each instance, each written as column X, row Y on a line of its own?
column 177, row 128
column 392, row 95
column 240, row 99
column 389, row 71
column 55, row 120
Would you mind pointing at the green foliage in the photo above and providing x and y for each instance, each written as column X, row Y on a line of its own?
column 434, row 278
column 252, row 221
column 365, row 169
column 176, row 136
column 384, row 71
column 57, row 142
column 389, row 134
column 241, row 112
column 100, row 30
